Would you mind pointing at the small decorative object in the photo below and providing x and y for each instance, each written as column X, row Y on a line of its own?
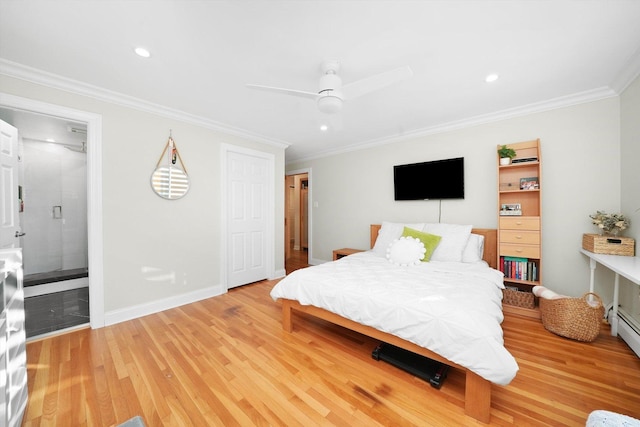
column 506, row 154
column 529, row 183
column 170, row 181
column 610, row 224
column 510, row 209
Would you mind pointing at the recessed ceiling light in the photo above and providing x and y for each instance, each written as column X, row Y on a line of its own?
column 491, row 78
column 140, row 51
column 50, row 140
column 324, row 128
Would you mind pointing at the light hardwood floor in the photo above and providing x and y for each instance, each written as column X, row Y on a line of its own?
column 297, row 259
column 226, row 361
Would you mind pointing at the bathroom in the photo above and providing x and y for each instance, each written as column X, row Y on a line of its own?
column 52, row 192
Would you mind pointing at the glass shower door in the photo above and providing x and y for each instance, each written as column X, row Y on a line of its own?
column 55, row 244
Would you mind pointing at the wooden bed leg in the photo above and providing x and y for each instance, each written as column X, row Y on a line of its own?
column 477, row 397
column 286, row 316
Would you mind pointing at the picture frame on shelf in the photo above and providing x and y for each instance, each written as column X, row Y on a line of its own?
column 510, row 209
column 530, row 183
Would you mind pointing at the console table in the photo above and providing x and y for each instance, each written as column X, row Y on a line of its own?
column 625, row 266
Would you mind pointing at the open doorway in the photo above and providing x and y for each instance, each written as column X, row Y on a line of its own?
column 93, row 147
column 52, row 193
column 297, row 221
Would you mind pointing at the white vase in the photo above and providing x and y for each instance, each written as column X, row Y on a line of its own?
column 505, row 161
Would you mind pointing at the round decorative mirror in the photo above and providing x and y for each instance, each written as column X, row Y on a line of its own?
column 170, row 182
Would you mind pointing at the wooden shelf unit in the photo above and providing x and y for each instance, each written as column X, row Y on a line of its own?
column 519, row 236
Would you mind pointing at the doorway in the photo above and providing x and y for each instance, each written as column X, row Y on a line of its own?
column 297, row 220
column 92, row 182
column 52, row 213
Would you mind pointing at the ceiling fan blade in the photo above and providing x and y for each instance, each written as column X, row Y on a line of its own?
column 284, row 91
column 373, row 83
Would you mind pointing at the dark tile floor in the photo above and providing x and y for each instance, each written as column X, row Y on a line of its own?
column 59, row 310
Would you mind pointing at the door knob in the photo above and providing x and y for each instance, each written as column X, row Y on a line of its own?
column 20, row 234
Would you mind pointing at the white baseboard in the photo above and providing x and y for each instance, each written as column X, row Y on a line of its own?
column 129, row 313
column 278, row 274
column 629, row 335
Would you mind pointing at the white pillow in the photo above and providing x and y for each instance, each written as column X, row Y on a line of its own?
column 406, row 251
column 454, row 239
column 389, row 232
column 474, row 250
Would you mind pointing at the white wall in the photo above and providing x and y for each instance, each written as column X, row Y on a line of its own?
column 580, row 174
column 156, row 249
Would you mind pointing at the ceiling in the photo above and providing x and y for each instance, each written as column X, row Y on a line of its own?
column 47, row 129
column 203, row 53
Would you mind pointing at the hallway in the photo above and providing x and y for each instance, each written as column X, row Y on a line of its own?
column 298, row 259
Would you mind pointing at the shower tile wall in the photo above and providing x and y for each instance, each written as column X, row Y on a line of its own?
column 53, row 176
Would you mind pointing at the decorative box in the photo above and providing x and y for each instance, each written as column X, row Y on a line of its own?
column 609, row 245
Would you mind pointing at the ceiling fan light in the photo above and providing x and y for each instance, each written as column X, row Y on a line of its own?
column 329, row 104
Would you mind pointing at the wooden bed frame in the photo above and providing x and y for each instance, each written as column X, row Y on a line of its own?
column 477, row 389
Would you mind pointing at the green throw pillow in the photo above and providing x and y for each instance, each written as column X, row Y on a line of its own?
column 430, row 241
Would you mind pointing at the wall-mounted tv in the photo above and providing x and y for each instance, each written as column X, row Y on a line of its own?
column 438, row 179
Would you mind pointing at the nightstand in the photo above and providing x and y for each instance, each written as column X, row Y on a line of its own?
column 339, row 253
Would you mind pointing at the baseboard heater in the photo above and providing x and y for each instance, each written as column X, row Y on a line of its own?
column 422, row 367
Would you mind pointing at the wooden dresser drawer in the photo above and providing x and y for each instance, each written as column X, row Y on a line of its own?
column 520, row 223
column 523, row 251
column 520, row 237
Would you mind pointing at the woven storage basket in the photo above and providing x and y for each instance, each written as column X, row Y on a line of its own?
column 518, row 298
column 573, row 318
column 608, row 245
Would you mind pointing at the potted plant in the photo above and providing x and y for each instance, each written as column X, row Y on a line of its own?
column 506, row 154
column 610, row 224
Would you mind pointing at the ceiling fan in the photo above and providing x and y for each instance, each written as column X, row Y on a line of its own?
column 331, row 93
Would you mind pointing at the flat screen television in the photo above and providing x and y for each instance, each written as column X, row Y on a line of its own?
column 438, row 179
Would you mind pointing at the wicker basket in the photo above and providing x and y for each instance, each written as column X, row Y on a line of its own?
column 518, row 298
column 573, row 318
column 608, row 245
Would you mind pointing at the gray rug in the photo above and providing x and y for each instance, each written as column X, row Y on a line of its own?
column 133, row 422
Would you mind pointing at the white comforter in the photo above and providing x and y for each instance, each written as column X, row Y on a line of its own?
column 453, row 309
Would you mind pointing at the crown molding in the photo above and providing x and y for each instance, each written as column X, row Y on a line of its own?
column 12, row 69
column 34, row 75
column 628, row 74
column 537, row 107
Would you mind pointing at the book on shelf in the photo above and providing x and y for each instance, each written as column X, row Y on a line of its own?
column 519, row 268
column 524, row 160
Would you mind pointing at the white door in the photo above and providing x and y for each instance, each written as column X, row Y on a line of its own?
column 247, row 180
column 9, row 219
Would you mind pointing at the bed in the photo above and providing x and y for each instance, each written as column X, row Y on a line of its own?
column 454, row 317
